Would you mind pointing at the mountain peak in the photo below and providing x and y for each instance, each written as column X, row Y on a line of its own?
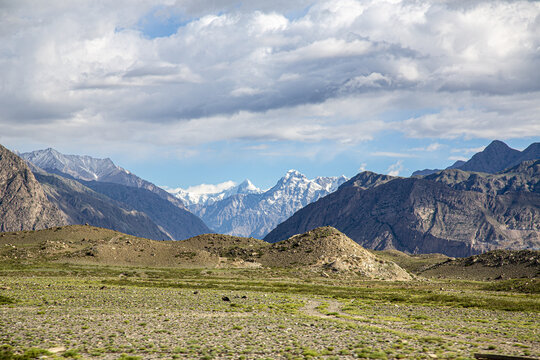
column 294, row 173
column 496, row 157
column 247, row 185
column 497, row 145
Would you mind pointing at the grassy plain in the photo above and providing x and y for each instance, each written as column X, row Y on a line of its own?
column 106, row 312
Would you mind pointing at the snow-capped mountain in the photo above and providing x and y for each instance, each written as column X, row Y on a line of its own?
column 83, row 167
column 207, row 194
column 257, row 213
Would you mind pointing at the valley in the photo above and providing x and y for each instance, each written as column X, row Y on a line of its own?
column 96, row 263
column 109, row 312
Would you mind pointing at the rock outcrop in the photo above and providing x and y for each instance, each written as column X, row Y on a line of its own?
column 23, row 204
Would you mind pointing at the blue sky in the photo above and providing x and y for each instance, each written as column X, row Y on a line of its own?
column 189, row 92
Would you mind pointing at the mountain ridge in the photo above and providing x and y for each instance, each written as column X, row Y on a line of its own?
column 422, row 215
column 495, row 157
column 256, row 214
column 87, row 168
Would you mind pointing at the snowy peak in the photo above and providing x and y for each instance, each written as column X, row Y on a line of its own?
column 245, row 210
column 205, row 194
column 87, row 168
column 80, row 167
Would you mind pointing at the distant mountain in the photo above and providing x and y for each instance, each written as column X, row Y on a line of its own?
column 81, row 205
column 453, row 212
column 97, row 192
column 178, row 224
column 91, row 169
column 255, row 214
column 205, row 198
column 23, row 204
column 496, row 157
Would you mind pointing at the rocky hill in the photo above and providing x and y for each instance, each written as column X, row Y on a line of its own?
column 327, row 248
column 23, row 204
column 493, row 265
column 87, row 168
column 255, row 214
column 321, row 250
column 82, row 244
column 422, row 215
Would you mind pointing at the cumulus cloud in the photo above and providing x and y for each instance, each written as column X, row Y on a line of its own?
column 395, row 169
column 283, row 70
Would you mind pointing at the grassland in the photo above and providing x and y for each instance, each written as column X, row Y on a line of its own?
column 106, row 312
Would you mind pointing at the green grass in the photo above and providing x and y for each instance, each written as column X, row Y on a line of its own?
column 6, row 300
column 528, row 286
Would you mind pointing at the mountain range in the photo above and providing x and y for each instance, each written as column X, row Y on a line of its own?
column 491, row 201
column 87, row 190
column 87, row 168
column 245, row 210
column 190, row 198
column 454, row 212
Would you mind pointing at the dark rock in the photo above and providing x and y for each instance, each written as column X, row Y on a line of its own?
column 225, row 298
column 448, row 212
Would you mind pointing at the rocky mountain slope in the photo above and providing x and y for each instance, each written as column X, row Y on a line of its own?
column 496, row 157
column 461, row 217
column 177, row 223
column 82, row 205
column 256, row 214
column 23, row 204
column 91, row 169
column 97, row 192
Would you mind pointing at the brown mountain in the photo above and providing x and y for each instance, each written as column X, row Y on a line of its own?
column 23, row 204
column 455, row 215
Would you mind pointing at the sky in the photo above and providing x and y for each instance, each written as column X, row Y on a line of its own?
column 206, row 91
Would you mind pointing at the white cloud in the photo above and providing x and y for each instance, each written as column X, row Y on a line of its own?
column 430, row 148
column 473, row 150
column 457, row 158
column 362, row 167
column 395, row 169
column 211, row 188
column 237, row 72
column 392, row 154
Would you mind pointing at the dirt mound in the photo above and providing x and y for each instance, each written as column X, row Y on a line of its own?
column 497, row 264
column 327, row 248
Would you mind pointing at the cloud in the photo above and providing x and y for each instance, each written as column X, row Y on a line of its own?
column 457, row 158
column 473, row 150
column 335, row 70
column 211, row 188
column 392, row 154
column 395, row 169
column 430, row 148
